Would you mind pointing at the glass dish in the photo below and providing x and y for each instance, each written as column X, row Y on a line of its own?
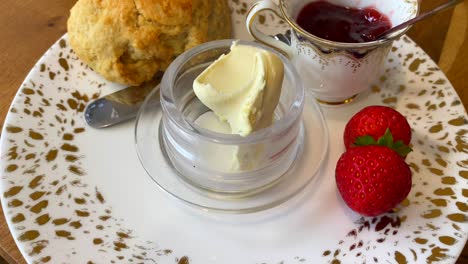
column 184, row 159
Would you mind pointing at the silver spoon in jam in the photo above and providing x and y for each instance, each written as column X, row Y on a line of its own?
column 418, row 18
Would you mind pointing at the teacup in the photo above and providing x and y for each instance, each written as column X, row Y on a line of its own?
column 334, row 72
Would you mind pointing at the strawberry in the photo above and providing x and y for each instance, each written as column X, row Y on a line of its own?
column 373, row 121
column 372, row 179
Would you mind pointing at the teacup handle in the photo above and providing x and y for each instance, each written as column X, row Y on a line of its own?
column 259, row 36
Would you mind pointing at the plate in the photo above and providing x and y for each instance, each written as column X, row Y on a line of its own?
column 73, row 194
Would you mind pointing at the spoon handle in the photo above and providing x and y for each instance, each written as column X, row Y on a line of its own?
column 403, row 25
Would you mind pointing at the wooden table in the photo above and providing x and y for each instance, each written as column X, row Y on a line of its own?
column 29, row 27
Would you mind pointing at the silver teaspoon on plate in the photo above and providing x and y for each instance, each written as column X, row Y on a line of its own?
column 119, row 106
column 420, row 17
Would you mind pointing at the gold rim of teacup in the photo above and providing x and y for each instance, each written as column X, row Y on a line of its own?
column 342, row 102
column 341, row 45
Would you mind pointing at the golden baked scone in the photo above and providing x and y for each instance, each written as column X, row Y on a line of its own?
column 128, row 41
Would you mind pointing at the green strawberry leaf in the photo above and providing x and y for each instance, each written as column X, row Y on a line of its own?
column 386, row 140
column 365, row 141
column 401, row 148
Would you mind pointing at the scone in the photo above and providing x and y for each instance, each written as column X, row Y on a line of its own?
column 128, row 41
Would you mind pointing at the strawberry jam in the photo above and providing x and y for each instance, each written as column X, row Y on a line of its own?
column 342, row 24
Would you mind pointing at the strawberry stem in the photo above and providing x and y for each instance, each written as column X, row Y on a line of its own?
column 386, row 140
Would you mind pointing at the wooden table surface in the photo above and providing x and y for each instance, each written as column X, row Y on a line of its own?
column 30, row 27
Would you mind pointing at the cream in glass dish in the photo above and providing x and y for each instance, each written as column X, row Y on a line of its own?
column 242, row 88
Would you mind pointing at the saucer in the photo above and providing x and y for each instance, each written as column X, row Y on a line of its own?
column 151, row 152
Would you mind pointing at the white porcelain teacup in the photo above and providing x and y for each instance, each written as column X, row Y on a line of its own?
column 334, row 72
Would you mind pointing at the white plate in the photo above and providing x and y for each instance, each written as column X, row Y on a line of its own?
column 72, row 194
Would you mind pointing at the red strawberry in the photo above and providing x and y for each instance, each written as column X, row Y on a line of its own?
column 372, row 179
column 374, row 121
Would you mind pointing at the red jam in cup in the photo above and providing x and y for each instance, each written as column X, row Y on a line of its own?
column 342, row 24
